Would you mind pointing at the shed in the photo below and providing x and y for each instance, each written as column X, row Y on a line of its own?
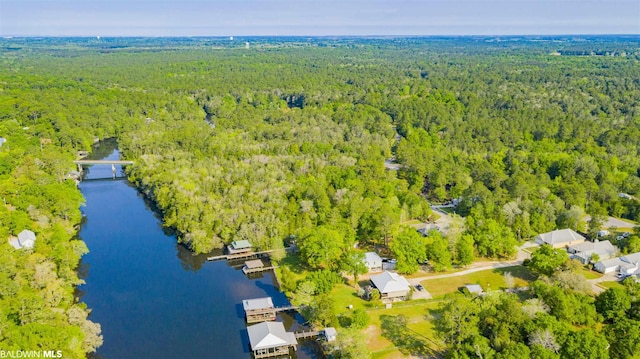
column 330, row 334
column 373, row 262
column 269, row 339
column 27, row 239
column 560, row 238
column 474, row 289
column 391, row 285
column 259, row 309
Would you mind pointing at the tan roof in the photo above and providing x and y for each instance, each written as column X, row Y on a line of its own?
column 256, row 263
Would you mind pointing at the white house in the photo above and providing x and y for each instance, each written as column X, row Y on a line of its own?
column 269, row 339
column 373, row 262
column 560, row 238
column 628, row 264
column 391, row 285
column 26, row 239
column 584, row 251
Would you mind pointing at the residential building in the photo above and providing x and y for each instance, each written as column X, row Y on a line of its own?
column 391, row 286
column 584, row 251
column 238, row 247
column 627, row 264
column 560, row 238
column 373, row 262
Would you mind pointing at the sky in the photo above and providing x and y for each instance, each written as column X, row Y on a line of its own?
column 316, row 17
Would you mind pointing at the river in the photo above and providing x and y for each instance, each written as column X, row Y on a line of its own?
column 152, row 296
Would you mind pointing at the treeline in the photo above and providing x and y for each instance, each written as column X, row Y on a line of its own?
column 38, row 307
column 557, row 318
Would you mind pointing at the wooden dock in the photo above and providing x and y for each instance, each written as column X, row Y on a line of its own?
column 241, row 255
column 286, row 308
column 246, row 270
column 306, row 334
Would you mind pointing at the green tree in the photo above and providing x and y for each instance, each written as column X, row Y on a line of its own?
column 437, row 251
column 464, row 250
column 458, row 320
column 585, row 344
column 408, row 248
column 613, row 303
column 546, row 260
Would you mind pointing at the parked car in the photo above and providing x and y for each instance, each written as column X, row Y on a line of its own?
column 419, row 287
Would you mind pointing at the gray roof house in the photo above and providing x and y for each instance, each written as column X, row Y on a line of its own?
column 373, row 262
column 26, row 239
column 584, row 251
column 268, row 339
column 627, row 264
column 560, row 238
column 391, row 285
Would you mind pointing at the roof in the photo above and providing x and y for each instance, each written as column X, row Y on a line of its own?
column 241, row 244
column 474, row 288
column 27, row 238
column 388, row 282
column 609, row 263
column 372, row 259
column 330, row 331
column 257, row 303
column 603, row 248
column 256, row 263
column 560, row 236
column 2, row 140
column 15, row 243
column 269, row 335
column 631, row 258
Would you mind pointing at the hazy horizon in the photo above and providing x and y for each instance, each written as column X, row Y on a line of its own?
column 165, row 18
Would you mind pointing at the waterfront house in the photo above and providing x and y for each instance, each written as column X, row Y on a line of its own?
column 269, row 339
column 560, row 238
column 259, row 309
column 392, row 286
column 583, row 251
column 237, row 247
column 373, row 262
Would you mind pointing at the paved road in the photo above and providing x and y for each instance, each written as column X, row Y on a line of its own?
column 614, row 222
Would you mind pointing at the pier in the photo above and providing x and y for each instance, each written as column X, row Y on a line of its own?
column 246, row 255
column 102, row 162
column 306, row 334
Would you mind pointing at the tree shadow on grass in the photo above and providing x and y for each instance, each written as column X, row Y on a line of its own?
column 408, row 341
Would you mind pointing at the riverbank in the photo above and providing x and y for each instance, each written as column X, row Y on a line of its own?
column 154, row 297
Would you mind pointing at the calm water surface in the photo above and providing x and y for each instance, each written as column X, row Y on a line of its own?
column 153, row 298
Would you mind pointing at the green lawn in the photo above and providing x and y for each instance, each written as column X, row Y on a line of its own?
column 488, row 279
column 589, row 274
column 403, row 331
column 611, row 284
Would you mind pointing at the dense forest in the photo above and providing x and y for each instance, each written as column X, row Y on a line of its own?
column 286, row 140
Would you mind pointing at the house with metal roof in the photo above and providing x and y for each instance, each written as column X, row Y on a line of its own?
column 583, row 251
column 373, row 262
column 560, row 238
column 26, row 239
column 259, row 309
column 237, row 247
column 269, row 339
column 391, row 285
column 628, row 264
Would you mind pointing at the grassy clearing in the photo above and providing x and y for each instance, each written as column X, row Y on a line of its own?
column 488, row 279
column 403, row 331
column 611, row 284
column 589, row 274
